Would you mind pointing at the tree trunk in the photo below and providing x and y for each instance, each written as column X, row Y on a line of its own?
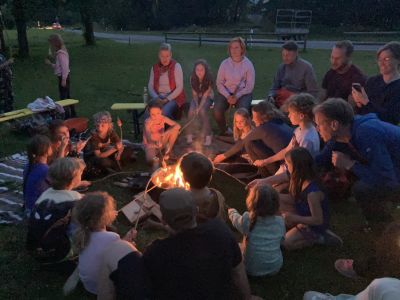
column 86, row 10
column 20, row 21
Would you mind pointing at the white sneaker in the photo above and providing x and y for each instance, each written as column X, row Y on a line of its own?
column 311, row 295
column 208, row 141
column 189, row 139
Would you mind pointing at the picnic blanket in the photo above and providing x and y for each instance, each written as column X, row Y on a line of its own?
column 11, row 178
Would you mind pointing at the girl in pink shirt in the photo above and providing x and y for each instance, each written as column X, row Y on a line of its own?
column 61, row 68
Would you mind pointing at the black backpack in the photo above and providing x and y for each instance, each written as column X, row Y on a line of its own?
column 47, row 238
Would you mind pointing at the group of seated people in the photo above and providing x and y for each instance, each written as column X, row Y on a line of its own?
column 287, row 207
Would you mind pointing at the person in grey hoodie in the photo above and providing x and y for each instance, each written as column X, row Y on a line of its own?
column 295, row 75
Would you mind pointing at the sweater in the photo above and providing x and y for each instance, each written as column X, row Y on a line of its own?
column 297, row 77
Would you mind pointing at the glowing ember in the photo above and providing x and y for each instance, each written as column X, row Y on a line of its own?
column 170, row 177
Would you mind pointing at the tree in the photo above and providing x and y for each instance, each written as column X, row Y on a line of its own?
column 19, row 12
column 87, row 9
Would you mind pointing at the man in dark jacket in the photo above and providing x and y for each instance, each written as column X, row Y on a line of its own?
column 374, row 157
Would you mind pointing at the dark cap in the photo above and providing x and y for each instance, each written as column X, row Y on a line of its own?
column 178, row 208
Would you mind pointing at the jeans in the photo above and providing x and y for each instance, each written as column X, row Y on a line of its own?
column 169, row 110
column 221, row 105
column 203, row 116
column 256, row 149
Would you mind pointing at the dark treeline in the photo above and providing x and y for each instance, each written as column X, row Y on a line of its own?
column 168, row 14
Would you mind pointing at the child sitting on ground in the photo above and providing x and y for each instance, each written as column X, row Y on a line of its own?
column 35, row 173
column 262, row 231
column 107, row 151
column 49, row 226
column 300, row 108
column 305, row 209
column 197, row 170
column 93, row 214
column 156, row 138
column 201, row 82
column 241, row 127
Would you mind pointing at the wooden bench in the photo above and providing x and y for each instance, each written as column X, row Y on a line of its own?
column 25, row 112
column 136, row 110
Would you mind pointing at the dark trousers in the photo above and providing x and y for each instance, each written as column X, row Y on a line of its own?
column 65, row 94
column 372, row 201
column 256, row 149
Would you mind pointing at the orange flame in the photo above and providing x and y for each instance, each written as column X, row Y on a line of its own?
column 170, row 177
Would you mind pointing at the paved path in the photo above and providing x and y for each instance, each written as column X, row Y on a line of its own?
column 141, row 38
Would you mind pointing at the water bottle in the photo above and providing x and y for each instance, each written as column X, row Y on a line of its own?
column 145, row 95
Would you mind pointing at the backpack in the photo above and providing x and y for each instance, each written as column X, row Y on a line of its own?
column 47, row 238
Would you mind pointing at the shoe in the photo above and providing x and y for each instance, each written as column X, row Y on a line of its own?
column 189, row 139
column 345, row 267
column 311, row 295
column 332, row 239
column 208, row 141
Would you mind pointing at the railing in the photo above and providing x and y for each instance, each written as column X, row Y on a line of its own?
column 224, row 37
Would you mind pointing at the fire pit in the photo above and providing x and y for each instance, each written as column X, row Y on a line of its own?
column 166, row 178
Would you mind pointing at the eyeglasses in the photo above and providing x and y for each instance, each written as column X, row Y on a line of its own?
column 384, row 60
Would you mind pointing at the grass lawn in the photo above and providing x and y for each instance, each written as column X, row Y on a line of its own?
column 112, row 72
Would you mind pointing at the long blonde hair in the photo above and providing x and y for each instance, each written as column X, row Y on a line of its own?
column 92, row 213
column 57, row 43
column 243, row 112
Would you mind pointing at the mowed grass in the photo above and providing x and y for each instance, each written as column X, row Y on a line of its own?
column 112, row 72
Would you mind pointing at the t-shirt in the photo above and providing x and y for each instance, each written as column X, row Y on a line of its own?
column 262, row 254
column 194, row 264
column 308, row 138
column 59, row 196
column 101, row 144
column 35, row 183
column 90, row 257
column 339, row 85
column 303, row 208
column 128, row 278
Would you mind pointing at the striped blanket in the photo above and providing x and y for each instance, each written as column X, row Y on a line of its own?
column 11, row 201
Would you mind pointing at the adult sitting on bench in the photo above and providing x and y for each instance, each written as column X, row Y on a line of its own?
column 166, row 82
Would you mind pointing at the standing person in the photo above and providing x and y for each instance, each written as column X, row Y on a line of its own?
column 6, row 93
column 263, row 231
column 35, row 173
column 235, row 83
column 338, row 80
column 61, row 69
column 294, row 75
column 201, row 82
column 305, row 209
column 382, row 92
column 166, row 82
column 195, row 261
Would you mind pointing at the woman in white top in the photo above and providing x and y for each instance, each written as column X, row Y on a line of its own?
column 235, row 82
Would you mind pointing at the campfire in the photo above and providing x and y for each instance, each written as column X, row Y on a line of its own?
column 169, row 177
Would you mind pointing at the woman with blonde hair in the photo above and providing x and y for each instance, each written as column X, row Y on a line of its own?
column 59, row 54
column 235, row 83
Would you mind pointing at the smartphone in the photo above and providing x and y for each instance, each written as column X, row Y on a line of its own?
column 357, row 87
